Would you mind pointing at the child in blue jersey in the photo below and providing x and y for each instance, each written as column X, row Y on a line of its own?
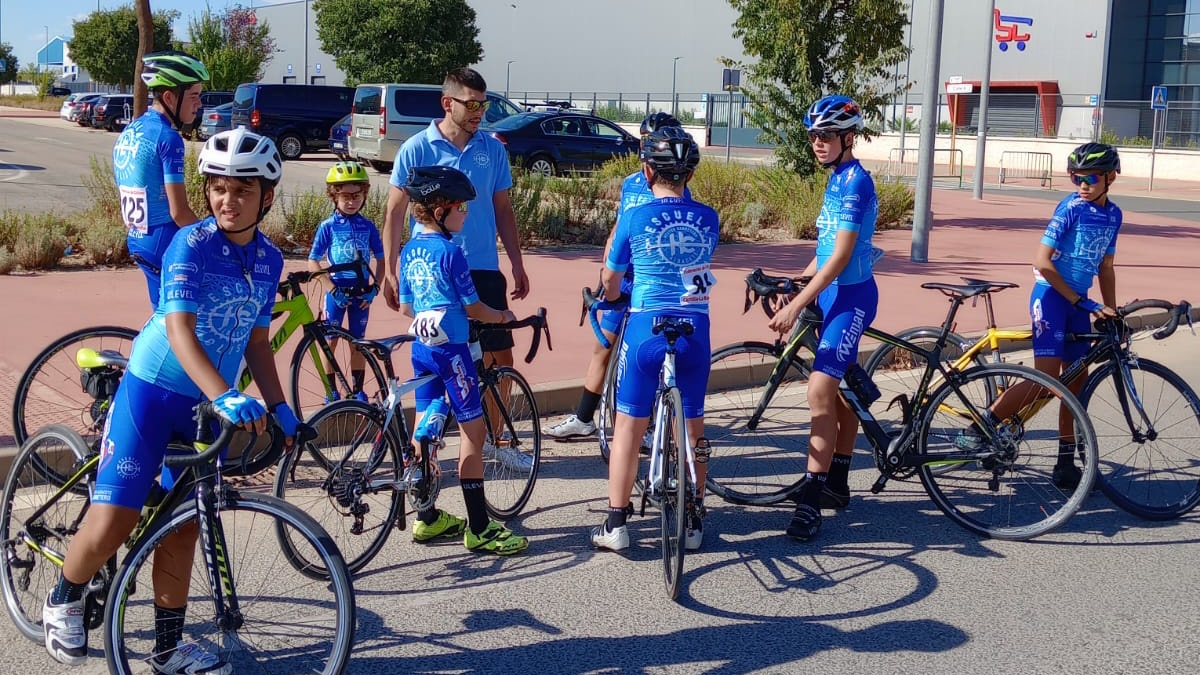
column 435, row 288
column 345, row 237
column 148, row 162
column 669, row 242
column 843, row 284
column 214, row 309
column 635, row 190
column 1078, row 247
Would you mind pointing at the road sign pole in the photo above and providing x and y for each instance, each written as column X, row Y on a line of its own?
column 1153, row 145
column 923, row 201
column 729, row 129
column 984, row 89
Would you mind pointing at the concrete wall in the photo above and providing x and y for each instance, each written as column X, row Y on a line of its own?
column 289, row 22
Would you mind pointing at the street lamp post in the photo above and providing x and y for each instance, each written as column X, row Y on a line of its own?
column 46, row 50
column 674, row 104
column 507, row 76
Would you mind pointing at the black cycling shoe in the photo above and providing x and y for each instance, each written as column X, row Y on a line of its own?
column 805, row 524
column 834, row 499
column 1066, row 476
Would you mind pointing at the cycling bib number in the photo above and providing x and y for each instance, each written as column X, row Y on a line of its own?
column 427, row 327
column 697, row 282
column 133, row 209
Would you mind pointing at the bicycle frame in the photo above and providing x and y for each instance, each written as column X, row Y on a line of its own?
column 666, row 383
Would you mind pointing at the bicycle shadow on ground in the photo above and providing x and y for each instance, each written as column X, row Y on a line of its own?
column 1110, row 526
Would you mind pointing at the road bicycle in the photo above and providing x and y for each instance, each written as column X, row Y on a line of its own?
column 353, row 477
column 60, row 387
column 243, row 605
column 1147, row 418
column 1004, row 490
column 606, row 411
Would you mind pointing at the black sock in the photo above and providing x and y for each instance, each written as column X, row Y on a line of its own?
column 429, row 516
column 811, row 494
column 587, row 406
column 356, row 379
column 66, row 591
column 477, row 517
column 617, row 517
column 168, row 630
column 839, row 473
column 1066, row 452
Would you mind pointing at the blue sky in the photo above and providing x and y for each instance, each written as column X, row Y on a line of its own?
column 24, row 23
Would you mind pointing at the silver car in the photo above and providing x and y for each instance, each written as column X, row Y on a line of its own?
column 73, row 113
column 64, row 111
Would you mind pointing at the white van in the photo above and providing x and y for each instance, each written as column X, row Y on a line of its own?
column 385, row 115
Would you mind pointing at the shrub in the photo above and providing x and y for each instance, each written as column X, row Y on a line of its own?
column 792, row 200
column 102, row 192
column 896, row 203
column 302, row 213
column 39, row 240
column 724, row 187
column 104, row 242
column 194, row 182
column 8, row 261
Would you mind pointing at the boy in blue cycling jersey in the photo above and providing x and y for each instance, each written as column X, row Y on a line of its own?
column 148, row 162
column 435, row 288
column 843, row 284
column 635, row 190
column 214, row 309
column 347, row 236
column 1078, row 247
column 669, row 242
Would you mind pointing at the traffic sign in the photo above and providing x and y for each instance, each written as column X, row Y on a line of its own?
column 955, row 79
column 960, row 88
column 731, row 79
column 1158, row 98
column 3, row 65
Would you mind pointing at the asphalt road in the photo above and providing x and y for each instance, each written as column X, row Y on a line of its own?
column 892, row 586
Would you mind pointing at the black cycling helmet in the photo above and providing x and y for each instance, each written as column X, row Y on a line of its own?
column 658, row 120
column 671, row 152
column 1094, row 157
column 438, row 184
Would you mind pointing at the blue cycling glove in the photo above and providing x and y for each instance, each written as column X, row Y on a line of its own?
column 286, row 418
column 238, row 408
column 370, row 295
column 339, row 297
column 1089, row 305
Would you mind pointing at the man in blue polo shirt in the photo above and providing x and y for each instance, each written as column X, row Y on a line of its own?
column 455, row 141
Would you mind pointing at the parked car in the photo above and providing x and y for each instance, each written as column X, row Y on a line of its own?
column 109, row 111
column 296, row 116
column 81, row 104
column 215, row 120
column 212, row 99
column 554, row 143
column 337, row 138
column 60, row 91
column 64, row 111
column 385, row 115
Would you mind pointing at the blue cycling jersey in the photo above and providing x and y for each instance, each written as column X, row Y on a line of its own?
column 850, row 204
column 231, row 290
column 147, row 157
column 342, row 239
column 670, row 243
column 436, row 281
column 635, row 191
column 1081, row 234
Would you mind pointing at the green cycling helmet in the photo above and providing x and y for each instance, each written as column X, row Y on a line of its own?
column 172, row 70
column 346, row 172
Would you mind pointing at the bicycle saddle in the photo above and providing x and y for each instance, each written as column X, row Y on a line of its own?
column 384, row 346
column 992, row 285
column 673, row 328
column 87, row 357
column 958, row 290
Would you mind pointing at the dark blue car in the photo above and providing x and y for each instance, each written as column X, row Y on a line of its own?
column 555, row 143
column 337, row 138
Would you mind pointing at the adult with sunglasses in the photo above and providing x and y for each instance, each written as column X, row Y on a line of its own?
column 843, row 284
column 1079, row 246
column 455, row 141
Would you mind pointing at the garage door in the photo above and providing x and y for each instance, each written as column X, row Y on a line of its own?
column 1008, row 114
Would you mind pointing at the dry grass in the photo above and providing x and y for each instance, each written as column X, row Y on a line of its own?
column 53, row 103
column 32, row 241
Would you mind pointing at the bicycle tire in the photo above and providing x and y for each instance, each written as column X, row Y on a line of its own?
column 315, row 479
column 54, row 370
column 308, row 387
column 764, row 465
column 606, row 410
column 285, row 607
column 1151, row 478
column 1009, row 494
column 29, row 575
column 673, row 488
column 511, row 454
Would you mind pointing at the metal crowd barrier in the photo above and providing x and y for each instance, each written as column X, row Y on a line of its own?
column 1036, row 165
column 947, row 163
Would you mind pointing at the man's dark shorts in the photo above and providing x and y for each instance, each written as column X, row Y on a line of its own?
column 492, row 288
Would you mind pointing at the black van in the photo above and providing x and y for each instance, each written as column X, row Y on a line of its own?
column 296, row 116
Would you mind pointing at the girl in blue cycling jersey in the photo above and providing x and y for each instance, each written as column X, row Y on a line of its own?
column 843, row 285
column 218, row 289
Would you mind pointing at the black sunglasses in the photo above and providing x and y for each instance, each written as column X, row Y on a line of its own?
column 825, row 136
column 470, row 105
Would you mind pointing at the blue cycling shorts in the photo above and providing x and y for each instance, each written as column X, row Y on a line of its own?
column 456, row 377
column 358, row 314
column 144, row 418
column 641, row 357
column 848, row 310
column 1053, row 319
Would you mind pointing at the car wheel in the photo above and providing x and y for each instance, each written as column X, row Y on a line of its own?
column 290, row 146
column 381, row 167
column 542, row 164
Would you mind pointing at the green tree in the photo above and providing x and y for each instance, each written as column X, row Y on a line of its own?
column 805, row 49
column 398, row 40
column 106, row 43
column 11, row 65
column 233, row 45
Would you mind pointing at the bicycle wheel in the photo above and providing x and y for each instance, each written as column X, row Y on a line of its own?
column 897, row 371
column 49, row 391
column 311, row 386
column 34, row 549
column 348, row 479
column 673, row 486
column 287, row 623
column 606, row 411
column 512, row 449
column 1147, row 422
column 1008, row 493
column 761, row 464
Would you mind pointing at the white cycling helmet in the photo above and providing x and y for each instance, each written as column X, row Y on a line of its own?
column 241, row 154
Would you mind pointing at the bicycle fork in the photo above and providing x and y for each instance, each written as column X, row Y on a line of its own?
column 227, row 613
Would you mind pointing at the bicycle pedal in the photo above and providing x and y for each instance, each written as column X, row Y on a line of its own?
column 879, row 484
column 993, row 484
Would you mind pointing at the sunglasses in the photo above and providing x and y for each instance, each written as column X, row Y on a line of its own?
column 1088, row 178
column 472, row 106
column 824, row 136
column 352, row 194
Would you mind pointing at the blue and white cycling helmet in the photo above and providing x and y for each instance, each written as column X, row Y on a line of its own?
column 834, row 113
